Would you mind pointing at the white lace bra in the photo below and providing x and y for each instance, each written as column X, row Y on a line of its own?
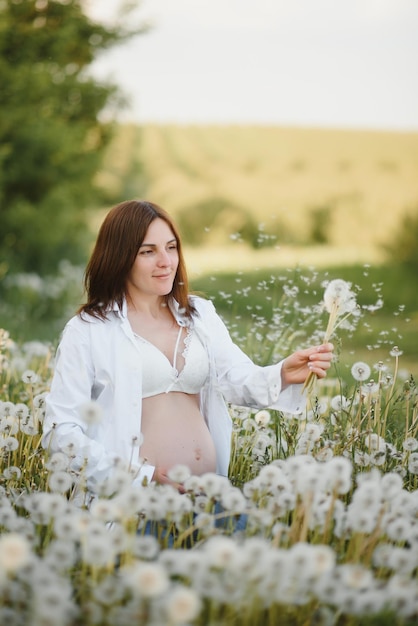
column 160, row 376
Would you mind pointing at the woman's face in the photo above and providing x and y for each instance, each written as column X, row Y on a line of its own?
column 155, row 266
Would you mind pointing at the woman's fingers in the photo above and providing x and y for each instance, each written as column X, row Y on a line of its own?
column 319, row 361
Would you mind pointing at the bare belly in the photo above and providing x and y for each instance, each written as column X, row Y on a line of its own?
column 175, row 433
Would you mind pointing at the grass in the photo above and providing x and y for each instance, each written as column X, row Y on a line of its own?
column 243, row 296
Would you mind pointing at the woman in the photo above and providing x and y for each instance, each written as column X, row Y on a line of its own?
column 158, row 362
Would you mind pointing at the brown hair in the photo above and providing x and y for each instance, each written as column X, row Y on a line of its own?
column 120, row 236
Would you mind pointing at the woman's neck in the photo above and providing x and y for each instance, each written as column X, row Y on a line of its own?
column 150, row 308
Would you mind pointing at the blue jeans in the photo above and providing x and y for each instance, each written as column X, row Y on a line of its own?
column 167, row 533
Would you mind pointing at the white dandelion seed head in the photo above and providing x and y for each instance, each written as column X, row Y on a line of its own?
column 182, row 605
column 21, row 411
column 396, row 352
column 179, row 473
column 60, row 481
column 147, row 579
column 145, row 547
column 410, row 444
column 9, row 425
column 413, row 463
column 392, row 484
column 375, row 443
column 7, row 408
column 234, row 500
column 324, row 454
column 313, row 432
column 213, row 484
column 91, row 412
column 361, row 459
column 30, row 377
column 12, row 472
column 39, row 400
column 360, row 371
column 9, row 444
column 338, row 294
column 15, row 552
column 262, row 418
column 339, row 403
column 58, row 461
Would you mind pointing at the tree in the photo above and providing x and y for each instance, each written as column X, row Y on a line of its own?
column 51, row 136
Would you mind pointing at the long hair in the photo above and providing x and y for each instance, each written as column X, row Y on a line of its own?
column 120, row 236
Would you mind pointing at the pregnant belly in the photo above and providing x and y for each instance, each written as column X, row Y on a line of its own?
column 175, row 433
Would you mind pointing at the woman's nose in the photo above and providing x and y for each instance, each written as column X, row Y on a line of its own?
column 163, row 258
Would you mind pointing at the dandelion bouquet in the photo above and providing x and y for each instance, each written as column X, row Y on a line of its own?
column 340, row 302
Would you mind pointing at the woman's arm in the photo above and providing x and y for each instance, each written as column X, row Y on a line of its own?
column 244, row 383
column 64, row 428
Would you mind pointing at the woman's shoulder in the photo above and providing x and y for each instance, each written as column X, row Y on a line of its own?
column 202, row 305
column 83, row 323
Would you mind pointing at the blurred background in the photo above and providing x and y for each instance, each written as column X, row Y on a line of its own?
column 282, row 136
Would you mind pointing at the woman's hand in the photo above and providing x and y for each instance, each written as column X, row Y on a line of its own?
column 161, row 476
column 301, row 363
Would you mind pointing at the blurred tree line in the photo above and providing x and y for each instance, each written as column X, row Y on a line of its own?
column 51, row 137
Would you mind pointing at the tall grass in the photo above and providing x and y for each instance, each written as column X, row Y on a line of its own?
column 329, row 495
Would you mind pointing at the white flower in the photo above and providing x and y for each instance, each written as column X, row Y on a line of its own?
column 9, row 444
column 105, row 510
column 395, row 352
column 360, row 371
column 220, row 551
column 182, row 606
column 57, row 461
column 262, row 418
column 413, row 463
column 391, row 485
column 338, row 294
column 15, row 553
column 97, row 550
column 9, row 425
column 313, row 432
column 30, row 377
column 60, row 482
column 340, row 403
column 410, row 444
column 338, row 473
column 146, row 547
column 7, row 408
column 12, row 473
column 233, row 500
column 91, row 412
column 148, row 579
column 375, row 443
column 179, row 473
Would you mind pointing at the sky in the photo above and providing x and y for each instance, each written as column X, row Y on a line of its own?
column 326, row 63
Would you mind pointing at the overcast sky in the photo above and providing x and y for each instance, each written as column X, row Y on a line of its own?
column 341, row 63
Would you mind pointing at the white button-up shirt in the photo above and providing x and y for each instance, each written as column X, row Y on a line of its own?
column 100, row 360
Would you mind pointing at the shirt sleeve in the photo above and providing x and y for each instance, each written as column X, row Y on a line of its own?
column 64, row 428
column 241, row 381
